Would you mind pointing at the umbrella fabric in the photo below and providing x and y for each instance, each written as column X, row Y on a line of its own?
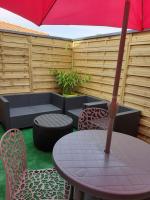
column 81, row 12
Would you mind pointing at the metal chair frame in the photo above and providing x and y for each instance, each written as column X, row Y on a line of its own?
column 93, row 118
column 21, row 183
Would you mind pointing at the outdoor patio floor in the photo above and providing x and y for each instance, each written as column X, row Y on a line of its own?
column 35, row 159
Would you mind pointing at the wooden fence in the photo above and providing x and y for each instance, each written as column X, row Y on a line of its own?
column 25, row 61
column 98, row 57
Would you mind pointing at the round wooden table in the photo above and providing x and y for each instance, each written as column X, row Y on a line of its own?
column 124, row 174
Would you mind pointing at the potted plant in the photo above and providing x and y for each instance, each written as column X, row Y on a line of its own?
column 69, row 81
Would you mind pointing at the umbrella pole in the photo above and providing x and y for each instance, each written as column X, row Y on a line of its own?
column 113, row 105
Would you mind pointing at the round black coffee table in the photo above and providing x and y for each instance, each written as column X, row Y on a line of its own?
column 49, row 128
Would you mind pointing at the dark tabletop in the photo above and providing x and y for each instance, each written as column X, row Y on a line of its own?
column 123, row 174
column 53, row 120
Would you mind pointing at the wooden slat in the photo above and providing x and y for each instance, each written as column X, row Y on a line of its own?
column 39, row 49
column 44, row 85
column 140, row 37
column 14, row 82
column 143, row 71
column 136, row 90
column 140, row 50
column 51, row 42
column 13, row 44
column 14, row 51
column 15, row 89
column 7, row 37
column 143, row 101
column 52, row 58
column 139, row 81
column 139, row 61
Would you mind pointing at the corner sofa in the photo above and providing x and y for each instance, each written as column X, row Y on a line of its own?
column 74, row 105
column 19, row 110
column 126, row 121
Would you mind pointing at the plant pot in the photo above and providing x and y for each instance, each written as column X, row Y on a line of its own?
column 70, row 95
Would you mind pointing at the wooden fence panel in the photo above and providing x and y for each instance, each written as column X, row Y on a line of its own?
column 98, row 57
column 137, row 86
column 14, row 63
column 48, row 54
column 25, row 62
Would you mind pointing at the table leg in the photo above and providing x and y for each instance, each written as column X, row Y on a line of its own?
column 78, row 195
column 71, row 193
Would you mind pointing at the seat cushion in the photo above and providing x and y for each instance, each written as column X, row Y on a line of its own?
column 75, row 112
column 28, row 110
column 22, row 117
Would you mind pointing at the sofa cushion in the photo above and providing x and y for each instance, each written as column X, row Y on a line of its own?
column 18, row 100
column 40, row 99
column 28, row 110
column 45, row 108
column 75, row 112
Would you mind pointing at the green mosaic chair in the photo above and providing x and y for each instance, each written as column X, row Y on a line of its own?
column 24, row 184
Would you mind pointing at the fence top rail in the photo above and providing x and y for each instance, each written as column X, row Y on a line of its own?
column 104, row 35
column 34, row 35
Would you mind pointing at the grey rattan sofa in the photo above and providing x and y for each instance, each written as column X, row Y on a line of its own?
column 74, row 105
column 18, row 111
column 127, row 119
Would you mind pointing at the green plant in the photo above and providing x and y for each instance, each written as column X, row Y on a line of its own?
column 69, row 80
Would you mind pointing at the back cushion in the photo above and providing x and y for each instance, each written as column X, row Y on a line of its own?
column 21, row 100
column 18, row 100
column 91, row 99
column 123, row 109
column 74, row 102
column 40, row 98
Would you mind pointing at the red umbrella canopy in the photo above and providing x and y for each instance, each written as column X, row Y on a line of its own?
column 81, row 12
